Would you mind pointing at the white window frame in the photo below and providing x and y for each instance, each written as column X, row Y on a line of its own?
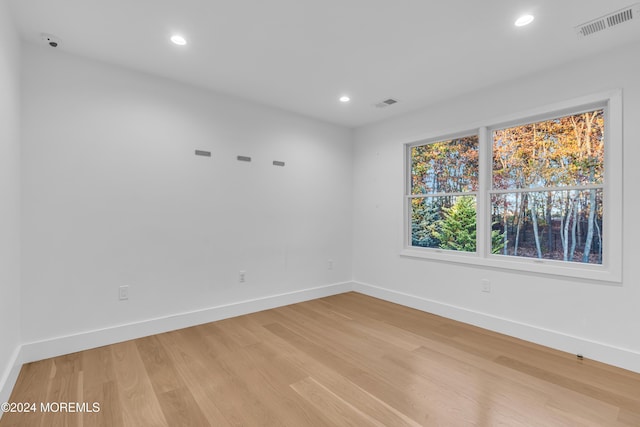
column 611, row 268
column 408, row 196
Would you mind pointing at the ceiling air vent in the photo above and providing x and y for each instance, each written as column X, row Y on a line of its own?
column 386, row 103
column 611, row 20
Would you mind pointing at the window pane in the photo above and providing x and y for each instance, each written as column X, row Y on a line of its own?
column 559, row 225
column 567, row 151
column 445, row 222
column 445, row 167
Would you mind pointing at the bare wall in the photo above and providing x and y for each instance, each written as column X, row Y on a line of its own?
column 10, row 199
column 114, row 195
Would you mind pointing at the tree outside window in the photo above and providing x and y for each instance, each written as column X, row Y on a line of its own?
column 444, row 183
column 547, row 188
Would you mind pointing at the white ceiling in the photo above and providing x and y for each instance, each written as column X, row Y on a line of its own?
column 301, row 55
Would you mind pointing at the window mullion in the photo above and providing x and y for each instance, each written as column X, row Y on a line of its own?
column 483, row 228
column 548, row 189
column 406, row 229
column 452, row 194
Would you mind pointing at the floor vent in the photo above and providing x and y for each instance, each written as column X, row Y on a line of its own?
column 611, row 20
column 386, row 103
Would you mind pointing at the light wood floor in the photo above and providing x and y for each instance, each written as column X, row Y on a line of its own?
column 346, row 360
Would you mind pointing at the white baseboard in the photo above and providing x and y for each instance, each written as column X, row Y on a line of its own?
column 612, row 355
column 86, row 340
column 9, row 377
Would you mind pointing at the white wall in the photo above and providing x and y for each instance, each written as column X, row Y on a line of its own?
column 599, row 320
column 114, row 195
column 9, row 201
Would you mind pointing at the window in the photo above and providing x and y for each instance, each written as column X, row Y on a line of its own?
column 537, row 192
column 547, row 191
column 444, row 184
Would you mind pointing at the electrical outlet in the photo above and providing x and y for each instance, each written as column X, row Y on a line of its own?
column 123, row 292
column 330, row 264
column 485, row 286
column 242, row 277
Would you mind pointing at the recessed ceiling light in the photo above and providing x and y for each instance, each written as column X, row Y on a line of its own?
column 179, row 40
column 524, row 20
column 345, row 98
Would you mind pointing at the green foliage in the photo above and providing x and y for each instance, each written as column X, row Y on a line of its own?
column 497, row 241
column 436, row 226
column 458, row 227
column 424, row 224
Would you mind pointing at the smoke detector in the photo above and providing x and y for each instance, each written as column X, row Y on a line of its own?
column 50, row 40
column 386, row 103
column 607, row 21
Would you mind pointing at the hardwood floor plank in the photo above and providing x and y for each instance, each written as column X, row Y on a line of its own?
column 486, row 395
column 360, row 399
column 215, row 341
column 139, row 403
column 110, row 415
column 338, row 410
column 160, row 369
column 99, row 387
column 64, row 387
column 235, row 330
column 411, row 405
column 531, row 396
column 557, row 362
column 229, row 393
column 31, row 387
column 97, row 366
column 195, row 375
column 268, row 381
column 576, row 385
column 629, row 418
column 181, row 409
column 347, row 359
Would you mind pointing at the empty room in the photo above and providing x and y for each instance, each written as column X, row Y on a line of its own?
column 319, row 213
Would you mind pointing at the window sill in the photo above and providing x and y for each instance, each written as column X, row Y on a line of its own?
column 598, row 273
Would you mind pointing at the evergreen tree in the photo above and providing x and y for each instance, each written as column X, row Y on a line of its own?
column 424, row 224
column 497, row 241
column 458, row 227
